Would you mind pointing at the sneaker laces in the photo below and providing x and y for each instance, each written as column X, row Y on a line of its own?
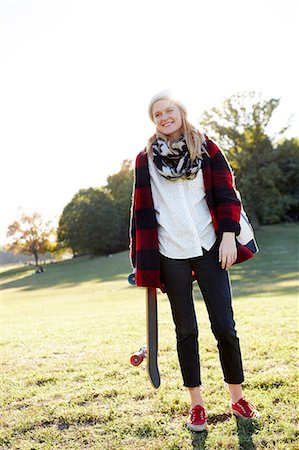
column 198, row 412
column 243, row 404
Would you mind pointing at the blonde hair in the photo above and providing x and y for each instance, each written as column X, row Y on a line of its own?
column 194, row 138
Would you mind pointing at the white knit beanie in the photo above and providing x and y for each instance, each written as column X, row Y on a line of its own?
column 164, row 95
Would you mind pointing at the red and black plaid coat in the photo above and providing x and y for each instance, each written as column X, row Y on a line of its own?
column 221, row 199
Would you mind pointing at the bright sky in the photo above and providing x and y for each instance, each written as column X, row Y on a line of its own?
column 76, row 78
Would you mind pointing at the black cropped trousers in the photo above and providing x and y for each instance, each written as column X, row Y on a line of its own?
column 214, row 283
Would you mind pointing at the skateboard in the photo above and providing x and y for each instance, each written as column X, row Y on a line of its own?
column 150, row 352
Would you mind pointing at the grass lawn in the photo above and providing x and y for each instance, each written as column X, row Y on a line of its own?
column 67, row 336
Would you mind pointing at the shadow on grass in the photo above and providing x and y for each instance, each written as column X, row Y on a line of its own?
column 199, row 439
column 275, row 267
column 246, row 428
column 262, row 275
column 69, row 273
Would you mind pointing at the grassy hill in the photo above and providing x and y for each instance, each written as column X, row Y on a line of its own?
column 66, row 339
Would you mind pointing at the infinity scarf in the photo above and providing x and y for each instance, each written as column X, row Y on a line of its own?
column 173, row 159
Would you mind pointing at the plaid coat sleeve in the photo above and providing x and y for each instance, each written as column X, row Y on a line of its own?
column 227, row 205
column 144, row 243
column 132, row 229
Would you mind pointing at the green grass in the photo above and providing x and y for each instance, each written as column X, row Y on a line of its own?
column 66, row 339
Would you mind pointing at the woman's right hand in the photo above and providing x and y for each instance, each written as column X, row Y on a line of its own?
column 227, row 250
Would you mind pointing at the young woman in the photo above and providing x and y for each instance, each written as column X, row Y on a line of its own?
column 184, row 219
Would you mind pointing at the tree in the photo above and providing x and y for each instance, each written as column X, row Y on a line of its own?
column 120, row 187
column 89, row 223
column 30, row 235
column 240, row 112
column 288, row 161
column 240, row 127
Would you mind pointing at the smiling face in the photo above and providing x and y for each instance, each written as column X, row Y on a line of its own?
column 168, row 118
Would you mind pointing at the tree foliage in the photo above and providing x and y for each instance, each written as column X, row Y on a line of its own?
column 89, row 223
column 120, row 187
column 288, row 159
column 30, row 235
column 240, row 127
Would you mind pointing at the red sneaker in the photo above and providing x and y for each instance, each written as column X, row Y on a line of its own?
column 197, row 420
column 245, row 409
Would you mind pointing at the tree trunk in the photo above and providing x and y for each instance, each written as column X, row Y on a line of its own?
column 35, row 254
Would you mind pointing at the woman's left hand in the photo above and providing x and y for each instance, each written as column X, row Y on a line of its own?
column 227, row 250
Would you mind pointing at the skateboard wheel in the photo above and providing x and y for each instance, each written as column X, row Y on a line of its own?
column 139, row 356
column 136, row 359
column 132, row 278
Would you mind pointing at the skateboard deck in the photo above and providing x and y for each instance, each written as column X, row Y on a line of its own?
column 151, row 351
column 152, row 336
